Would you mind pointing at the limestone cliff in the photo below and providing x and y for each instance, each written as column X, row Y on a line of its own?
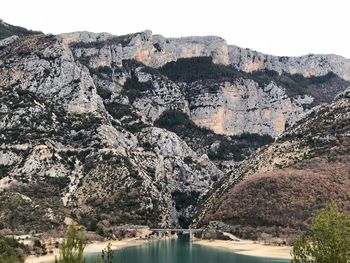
column 309, row 65
column 276, row 102
column 156, row 51
column 242, row 106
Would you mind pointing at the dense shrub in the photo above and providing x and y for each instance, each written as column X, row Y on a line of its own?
column 30, row 215
column 129, row 65
column 118, row 110
column 197, row 68
column 172, row 118
column 11, row 250
column 227, row 150
column 135, row 89
column 105, row 70
column 255, row 138
column 3, row 171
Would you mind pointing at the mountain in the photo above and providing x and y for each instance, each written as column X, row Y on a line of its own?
column 277, row 190
column 139, row 128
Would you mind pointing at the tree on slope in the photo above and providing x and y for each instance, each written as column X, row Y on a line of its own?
column 328, row 240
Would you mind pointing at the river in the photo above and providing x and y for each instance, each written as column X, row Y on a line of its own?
column 180, row 250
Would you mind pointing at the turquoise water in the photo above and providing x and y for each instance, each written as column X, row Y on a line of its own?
column 181, row 251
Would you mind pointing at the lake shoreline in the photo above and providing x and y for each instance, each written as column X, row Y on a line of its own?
column 248, row 248
column 95, row 247
column 243, row 247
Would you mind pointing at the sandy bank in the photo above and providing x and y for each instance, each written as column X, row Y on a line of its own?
column 249, row 248
column 91, row 248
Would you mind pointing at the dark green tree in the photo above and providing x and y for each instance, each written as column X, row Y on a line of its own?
column 328, row 240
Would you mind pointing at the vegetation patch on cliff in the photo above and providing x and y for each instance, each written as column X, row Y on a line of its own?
column 134, row 89
column 321, row 88
column 7, row 30
column 197, row 68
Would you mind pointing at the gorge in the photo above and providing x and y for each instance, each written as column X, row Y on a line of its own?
column 168, row 132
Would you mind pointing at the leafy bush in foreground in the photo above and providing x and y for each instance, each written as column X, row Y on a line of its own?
column 72, row 250
column 328, row 239
column 11, row 251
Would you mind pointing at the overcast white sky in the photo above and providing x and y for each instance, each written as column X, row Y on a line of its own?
column 279, row 27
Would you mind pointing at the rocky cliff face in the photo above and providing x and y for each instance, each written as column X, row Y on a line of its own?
column 156, row 50
column 243, row 107
column 137, row 128
column 225, row 110
column 151, row 50
column 310, row 65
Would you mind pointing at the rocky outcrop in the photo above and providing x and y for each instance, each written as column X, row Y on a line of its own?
column 309, row 65
column 8, row 41
column 151, row 50
column 242, row 106
column 164, row 95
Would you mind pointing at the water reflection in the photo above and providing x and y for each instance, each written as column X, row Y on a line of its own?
column 182, row 251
